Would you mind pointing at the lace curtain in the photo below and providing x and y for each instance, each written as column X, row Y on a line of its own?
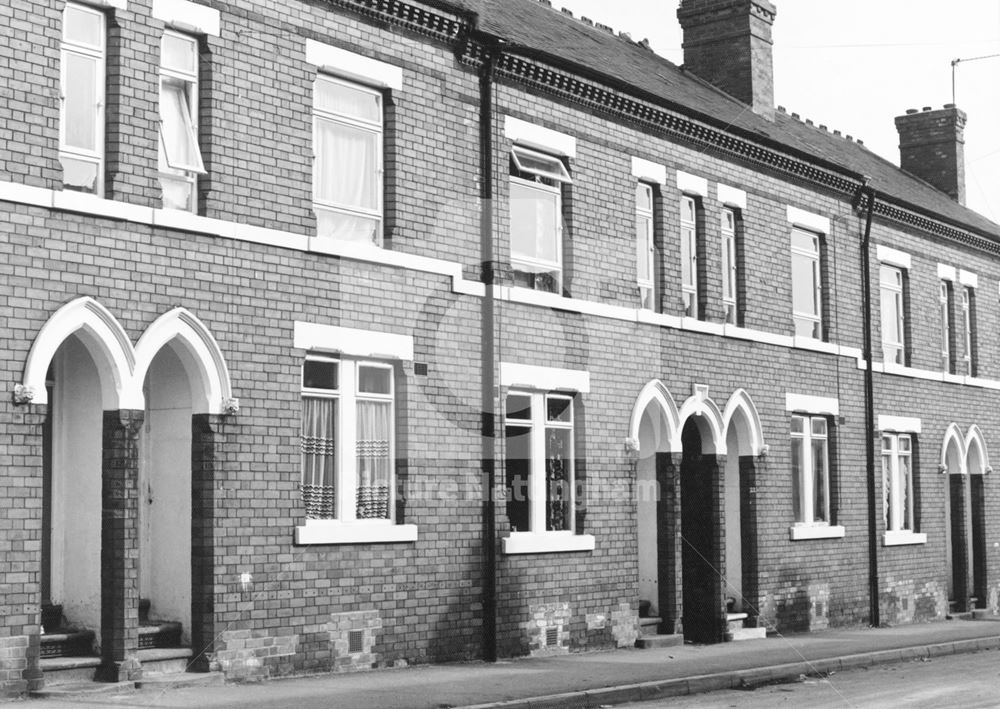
column 374, row 464
column 319, row 425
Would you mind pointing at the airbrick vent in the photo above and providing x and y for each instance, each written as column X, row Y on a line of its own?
column 552, row 636
column 355, row 641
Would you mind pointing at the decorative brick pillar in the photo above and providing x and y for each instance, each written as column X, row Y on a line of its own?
column 668, row 535
column 206, row 440
column 120, row 547
column 748, row 535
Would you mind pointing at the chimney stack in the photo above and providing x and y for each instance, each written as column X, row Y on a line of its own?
column 932, row 147
column 728, row 44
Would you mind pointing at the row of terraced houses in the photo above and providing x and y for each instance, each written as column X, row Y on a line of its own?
column 360, row 333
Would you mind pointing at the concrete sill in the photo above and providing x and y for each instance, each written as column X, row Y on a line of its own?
column 545, row 542
column 333, row 532
column 898, row 539
column 802, row 532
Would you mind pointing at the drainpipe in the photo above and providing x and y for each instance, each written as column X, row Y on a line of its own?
column 488, row 353
column 866, row 195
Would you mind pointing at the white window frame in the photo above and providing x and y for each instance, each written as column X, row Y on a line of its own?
column 374, row 127
column 967, row 329
column 944, row 299
column 172, row 169
column 345, row 527
column 544, row 187
column 895, row 509
column 730, row 274
column 891, row 294
column 645, row 245
column 807, row 527
column 98, row 53
column 538, row 539
column 689, row 256
column 815, row 256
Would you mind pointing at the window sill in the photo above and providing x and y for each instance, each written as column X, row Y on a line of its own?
column 903, row 538
column 544, row 542
column 334, row 532
column 802, row 532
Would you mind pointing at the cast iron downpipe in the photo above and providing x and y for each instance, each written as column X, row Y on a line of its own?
column 488, row 352
column 866, row 195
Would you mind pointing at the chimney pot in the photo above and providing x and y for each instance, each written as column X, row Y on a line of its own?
column 911, row 111
column 728, row 44
column 932, row 147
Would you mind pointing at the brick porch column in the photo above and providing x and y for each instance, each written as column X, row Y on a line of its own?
column 206, row 466
column 668, row 535
column 748, row 534
column 120, row 547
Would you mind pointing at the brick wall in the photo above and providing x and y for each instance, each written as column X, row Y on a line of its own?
column 426, row 595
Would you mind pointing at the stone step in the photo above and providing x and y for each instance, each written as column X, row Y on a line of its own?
column 83, row 689
column 159, row 634
column 649, row 626
column 647, row 642
column 747, row 634
column 68, row 670
column 168, row 680
column 165, row 660
column 67, row 643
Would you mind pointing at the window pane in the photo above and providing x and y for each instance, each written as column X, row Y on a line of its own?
column 819, row 426
column 179, row 54
column 519, row 407
column 347, row 166
column 374, row 380
column 83, row 27
column 558, row 479
column 798, row 424
column 805, row 241
column 518, row 472
column 643, row 230
column 728, row 270
column 559, row 409
column 533, row 225
column 820, row 502
column 804, row 272
column 905, row 494
column 797, row 471
column 180, row 143
column 347, row 227
column 80, row 101
column 178, row 191
column 688, row 255
column 644, row 197
column 79, row 175
column 373, row 449
column 687, row 209
column 335, row 97
column 317, row 374
column 887, row 487
column 318, row 444
column 540, row 164
column 904, row 444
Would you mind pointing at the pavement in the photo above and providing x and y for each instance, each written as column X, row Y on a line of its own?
column 578, row 680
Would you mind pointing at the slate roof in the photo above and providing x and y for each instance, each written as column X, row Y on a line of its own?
column 534, row 25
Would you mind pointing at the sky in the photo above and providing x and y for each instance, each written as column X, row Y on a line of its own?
column 854, row 65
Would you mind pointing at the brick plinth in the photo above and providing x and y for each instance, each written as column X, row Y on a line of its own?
column 206, row 438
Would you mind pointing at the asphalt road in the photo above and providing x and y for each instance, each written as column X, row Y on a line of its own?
column 970, row 681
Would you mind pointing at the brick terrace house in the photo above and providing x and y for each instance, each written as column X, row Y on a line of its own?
column 288, row 285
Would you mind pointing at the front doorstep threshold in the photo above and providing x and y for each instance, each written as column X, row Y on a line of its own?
column 84, row 689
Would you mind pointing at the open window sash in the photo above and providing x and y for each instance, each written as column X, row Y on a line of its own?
column 177, row 133
column 530, row 162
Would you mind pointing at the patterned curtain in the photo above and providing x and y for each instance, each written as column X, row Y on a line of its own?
column 374, row 465
column 319, row 426
column 557, row 479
